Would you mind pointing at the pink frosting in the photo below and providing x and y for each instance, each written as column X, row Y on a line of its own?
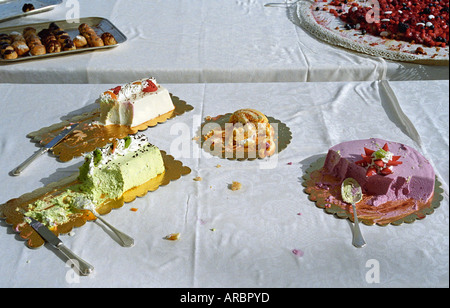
column 414, row 178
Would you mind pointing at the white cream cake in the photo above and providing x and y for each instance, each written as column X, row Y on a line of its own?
column 134, row 103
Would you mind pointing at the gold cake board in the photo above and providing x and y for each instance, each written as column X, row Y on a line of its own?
column 89, row 136
column 174, row 169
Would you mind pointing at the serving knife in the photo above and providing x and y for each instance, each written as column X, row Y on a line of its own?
column 83, row 267
column 45, row 149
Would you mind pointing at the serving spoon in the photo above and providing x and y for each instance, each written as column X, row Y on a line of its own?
column 351, row 193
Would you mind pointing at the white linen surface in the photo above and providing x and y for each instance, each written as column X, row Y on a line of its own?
column 190, row 41
column 230, row 238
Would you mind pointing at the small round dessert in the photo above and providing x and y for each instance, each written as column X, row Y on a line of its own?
column 247, row 130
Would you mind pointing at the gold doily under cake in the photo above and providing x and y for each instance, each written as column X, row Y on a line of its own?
column 331, row 202
column 282, row 138
column 173, row 171
column 88, row 136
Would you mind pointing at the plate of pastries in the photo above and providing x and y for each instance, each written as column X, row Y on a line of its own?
column 41, row 40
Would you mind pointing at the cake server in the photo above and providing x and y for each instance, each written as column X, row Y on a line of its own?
column 45, row 149
column 83, row 267
column 351, row 193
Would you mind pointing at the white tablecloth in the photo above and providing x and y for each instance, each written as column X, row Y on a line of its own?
column 240, row 238
column 191, row 41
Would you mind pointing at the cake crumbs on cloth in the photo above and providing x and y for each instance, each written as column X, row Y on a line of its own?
column 235, row 186
column 133, row 209
column 172, row 237
column 198, row 178
column 298, row 252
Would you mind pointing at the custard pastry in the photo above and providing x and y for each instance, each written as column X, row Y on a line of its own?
column 79, row 41
column 19, row 43
column 91, row 37
column 33, row 41
column 108, row 39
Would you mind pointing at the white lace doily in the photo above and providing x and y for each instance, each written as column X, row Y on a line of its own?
column 330, row 29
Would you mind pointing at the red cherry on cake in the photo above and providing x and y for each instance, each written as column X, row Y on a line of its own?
column 116, row 90
column 151, row 87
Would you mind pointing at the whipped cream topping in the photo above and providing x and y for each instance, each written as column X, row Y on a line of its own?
column 128, row 91
column 120, row 147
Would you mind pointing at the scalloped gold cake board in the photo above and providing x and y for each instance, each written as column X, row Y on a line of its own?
column 173, row 171
column 88, row 136
column 331, row 202
column 282, row 138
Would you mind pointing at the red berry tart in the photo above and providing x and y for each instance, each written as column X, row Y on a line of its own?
column 394, row 29
column 425, row 22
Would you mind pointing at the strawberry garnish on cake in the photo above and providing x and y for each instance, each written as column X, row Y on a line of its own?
column 151, row 87
column 116, row 90
column 381, row 161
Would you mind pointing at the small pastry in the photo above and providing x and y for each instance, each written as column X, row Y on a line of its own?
column 96, row 42
column 5, row 38
column 19, row 43
column 20, row 47
column 250, row 132
column 9, row 54
column 33, row 41
column 53, row 46
column 28, row 31
column 108, row 39
column 37, row 50
column 83, row 28
column 27, row 7
column 63, row 38
column 49, row 40
column 69, row 45
column 53, row 27
column 79, row 41
column 15, row 36
column 245, row 116
column 91, row 37
column 4, row 47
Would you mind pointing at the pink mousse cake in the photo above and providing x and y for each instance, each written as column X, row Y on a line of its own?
column 387, row 171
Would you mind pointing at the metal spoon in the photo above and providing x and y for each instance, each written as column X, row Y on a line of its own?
column 87, row 204
column 351, row 193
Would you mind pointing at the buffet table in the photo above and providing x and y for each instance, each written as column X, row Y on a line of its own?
column 202, row 41
column 268, row 234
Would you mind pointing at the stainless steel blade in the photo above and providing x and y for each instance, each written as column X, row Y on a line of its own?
column 61, row 136
column 43, row 150
column 83, row 267
column 44, row 232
